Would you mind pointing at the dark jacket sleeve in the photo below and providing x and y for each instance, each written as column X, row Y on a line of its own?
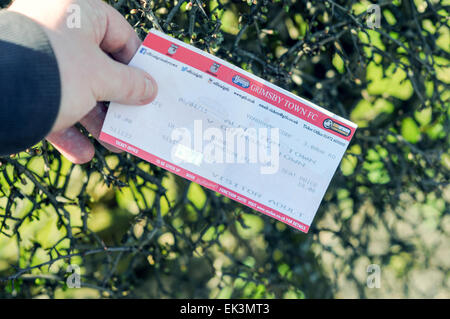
column 30, row 88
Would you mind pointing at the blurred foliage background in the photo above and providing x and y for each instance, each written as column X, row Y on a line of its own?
column 137, row 231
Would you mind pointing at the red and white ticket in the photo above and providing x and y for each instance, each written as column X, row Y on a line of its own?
column 231, row 131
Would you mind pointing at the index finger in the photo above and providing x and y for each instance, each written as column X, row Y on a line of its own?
column 120, row 40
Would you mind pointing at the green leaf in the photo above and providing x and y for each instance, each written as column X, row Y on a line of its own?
column 410, row 130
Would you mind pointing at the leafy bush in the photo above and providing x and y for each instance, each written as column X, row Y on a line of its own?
column 137, row 231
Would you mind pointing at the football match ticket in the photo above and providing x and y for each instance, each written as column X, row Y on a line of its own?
column 230, row 131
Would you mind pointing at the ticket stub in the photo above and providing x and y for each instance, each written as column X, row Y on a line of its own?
column 231, row 131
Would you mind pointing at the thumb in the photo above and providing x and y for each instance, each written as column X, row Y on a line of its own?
column 124, row 84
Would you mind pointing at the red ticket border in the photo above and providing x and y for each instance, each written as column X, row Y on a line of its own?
column 203, row 182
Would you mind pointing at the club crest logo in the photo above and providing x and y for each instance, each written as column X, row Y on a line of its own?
column 214, row 68
column 172, row 50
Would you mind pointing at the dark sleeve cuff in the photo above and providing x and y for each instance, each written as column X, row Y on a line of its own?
column 30, row 86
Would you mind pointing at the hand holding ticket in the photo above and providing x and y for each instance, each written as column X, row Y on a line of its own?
column 230, row 131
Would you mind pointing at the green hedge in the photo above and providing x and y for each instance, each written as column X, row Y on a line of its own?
column 137, row 231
